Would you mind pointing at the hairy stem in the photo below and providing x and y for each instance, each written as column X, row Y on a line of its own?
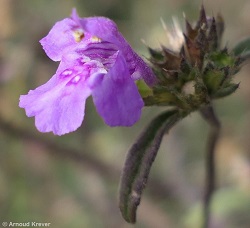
column 211, row 118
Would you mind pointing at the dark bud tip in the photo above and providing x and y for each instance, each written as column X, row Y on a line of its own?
column 202, row 22
column 191, row 33
column 212, row 36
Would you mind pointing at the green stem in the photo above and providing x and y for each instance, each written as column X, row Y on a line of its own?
column 211, row 118
column 139, row 161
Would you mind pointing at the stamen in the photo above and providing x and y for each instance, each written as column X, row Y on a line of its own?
column 78, row 35
column 96, row 39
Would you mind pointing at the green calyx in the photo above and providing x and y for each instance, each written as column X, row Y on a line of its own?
column 199, row 72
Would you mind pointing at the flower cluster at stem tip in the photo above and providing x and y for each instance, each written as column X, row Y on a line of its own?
column 96, row 60
column 190, row 76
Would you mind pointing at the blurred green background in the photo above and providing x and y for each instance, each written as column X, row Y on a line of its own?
column 72, row 180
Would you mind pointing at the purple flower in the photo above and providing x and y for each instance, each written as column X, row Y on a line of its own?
column 95, row 60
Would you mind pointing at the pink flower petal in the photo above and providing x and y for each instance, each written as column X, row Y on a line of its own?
column 116, row 97
column 60, row 38
column 60, row 108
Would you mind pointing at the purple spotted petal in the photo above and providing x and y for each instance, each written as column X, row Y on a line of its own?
column 59, row 109
column 116, row 96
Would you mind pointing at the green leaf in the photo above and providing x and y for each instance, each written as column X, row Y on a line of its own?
column 222, row 59
column 139, row 161
column 156, row 54
column 223, row 92
column 242, row 46
column 161, row 99
column 143, row 88
column 213, row 79
column 244, row 56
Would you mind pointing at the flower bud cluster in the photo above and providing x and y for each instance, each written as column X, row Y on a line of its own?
column 198, row 72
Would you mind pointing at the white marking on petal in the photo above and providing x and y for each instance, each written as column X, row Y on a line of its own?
column 66, row 72
column 85, row 59
column 136, row 75
column 76, row 79
column 103, row 71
